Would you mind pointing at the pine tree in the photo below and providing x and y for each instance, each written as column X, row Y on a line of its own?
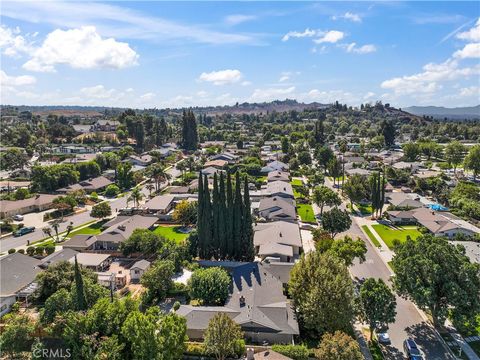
column 200, row 218
column 215, row 218
column 248, row 251
column 222, row 219
column 237, row 218
column 382, row 196
column 81, row 301
column 229, row 218
column 207, row 220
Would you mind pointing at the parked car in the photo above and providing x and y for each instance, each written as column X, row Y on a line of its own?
column 411, row 350
column 24, row 231
column 18, row 218
column 383, row 338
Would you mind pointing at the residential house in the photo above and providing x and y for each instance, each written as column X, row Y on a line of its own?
column 219, row 164
column 95, row 262
column 96, row 184
column 357, row 171
column 17, row 279
column 210, row 171
column 274, row 166
column 38, row 202
column 79, row 158
column 160, row 204
column 82, row 129
column 278, row 176
column 105, row 125
column 277, row 239
column 63, row 255
column 138, row 269
column 438, row 223
column 280, row 188
column 229, row 157
column 403, row 200
column 256, row 303
column 411, row 166
column 140, row 160
column 277, row 208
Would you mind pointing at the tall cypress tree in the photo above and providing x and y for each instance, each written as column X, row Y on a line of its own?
column 248, row 251
column 215, row 218
column 207, row 222
column 382, row 196
column 222, row 218
column 229, row 218
column 200, row 218
column 81, row 301
column 237, row 218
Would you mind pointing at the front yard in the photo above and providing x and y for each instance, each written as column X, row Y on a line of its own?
column 92, row 229
column 400, row 233
column 171, row 232
column 305, row 211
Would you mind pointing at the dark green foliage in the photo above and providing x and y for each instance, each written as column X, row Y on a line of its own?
column 335, row 221
column 51, row 178
column 189, row 131
column 210, row 285
column 81, row 301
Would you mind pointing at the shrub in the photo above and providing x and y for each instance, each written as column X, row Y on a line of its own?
column 21, row 251
column 11, row 251
column 50, row 249
column 240, row 348
column 112, row 190
column 194, row 349
column 39, row 250
column 176, row 305
column 296, row 352
column 94, row 196
column 30, row 250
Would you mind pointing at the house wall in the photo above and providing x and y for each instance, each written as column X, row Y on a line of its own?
column 251, row 337
column 136, row 274
column 452, row 233
column 6, row 304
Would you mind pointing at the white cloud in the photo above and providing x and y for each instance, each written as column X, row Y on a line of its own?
column 221, row 77
column 470, row 91
column 471, row 35
column 364, row 49
column 81, row 48
column 468, row 51
column 296, row 34
column 328, row 96
column 118, row 22
column 428, row 80
column 147, row 96
column 246, row 83
column 11, row 43
column 284, row 78
column 349, row 16
column 369, row 95
column 97, row 92
column 14, row 81
column 269, row 94
column 331, row 36
column 236, row 19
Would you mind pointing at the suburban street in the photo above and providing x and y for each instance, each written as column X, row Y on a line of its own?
column 10, row 242
column 409, row 322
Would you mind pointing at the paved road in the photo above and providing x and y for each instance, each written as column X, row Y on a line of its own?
column 408, row 322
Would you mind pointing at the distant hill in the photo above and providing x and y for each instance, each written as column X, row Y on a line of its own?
column 439, row 112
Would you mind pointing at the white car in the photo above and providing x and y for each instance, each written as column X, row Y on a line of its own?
column 383, row 338
column 18, row 218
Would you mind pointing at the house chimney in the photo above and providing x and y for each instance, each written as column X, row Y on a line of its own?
column 250, row 353
column 280, row 234
column 242, row 301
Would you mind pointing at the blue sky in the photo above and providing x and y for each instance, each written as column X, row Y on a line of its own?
column 172, row 54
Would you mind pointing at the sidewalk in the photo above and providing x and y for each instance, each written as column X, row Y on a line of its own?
column 385, row 253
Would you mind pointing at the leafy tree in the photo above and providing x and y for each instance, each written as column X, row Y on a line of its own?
column 338, row 346
column 472, row 161
column 304, row 158
column 59, row 276
column 388, row 131
column 324, row 155
column 437, row 276
column 185, row 213
column 141, row 241
column 13, row 159
column 189, row 131
column 124, row 175
column 88, row 169
column 53, row 177
column 336, row 221
column 356, row 188
column 221, row 336
column 334, row 169
column 58, row 303
column 101, row 210
column 454, row 153
column 411, row 151
column 311, row 278
column 80, row 301
column 378, row 304
column 158, row 279
column 210, row 285
column 172, row 337
column 324, row 196
column 348, row 250
column 16, row 336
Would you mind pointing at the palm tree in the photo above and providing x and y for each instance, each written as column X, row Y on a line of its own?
column 158, row 174
column 136, row 195
column 150, row 187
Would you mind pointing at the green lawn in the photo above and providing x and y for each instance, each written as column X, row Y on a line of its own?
column 296, row 182
column 93, row 229
column 305, row 211
column 364, row 209
column 171, row 232
column 388, row 234
column 297, row 195
column 371, row 236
